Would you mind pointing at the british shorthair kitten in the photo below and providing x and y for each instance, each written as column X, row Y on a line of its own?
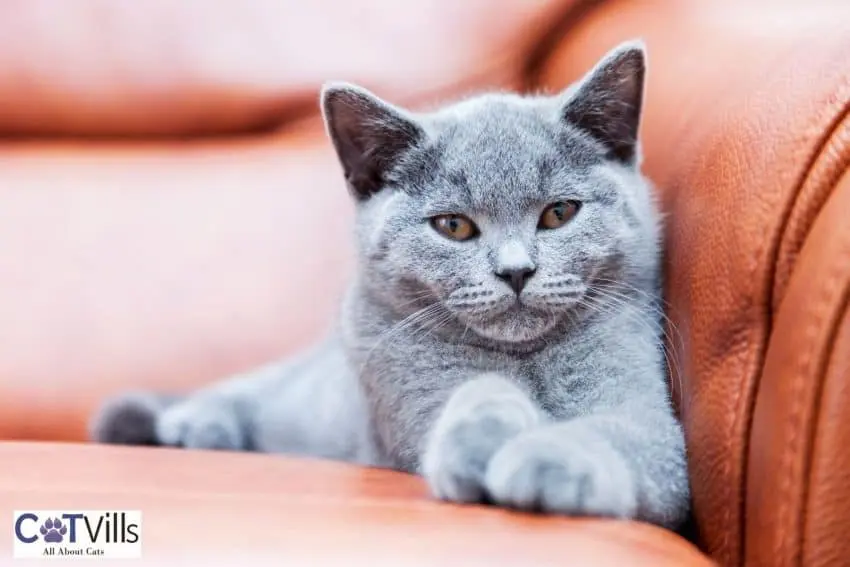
column 502, row 334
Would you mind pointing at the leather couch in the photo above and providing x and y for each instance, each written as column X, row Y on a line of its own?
column 170, row 213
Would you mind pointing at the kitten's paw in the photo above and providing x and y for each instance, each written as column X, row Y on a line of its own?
column 456, row 460
column 480, row 417
column 577, row 477
column 200, row 423
column 129, row 419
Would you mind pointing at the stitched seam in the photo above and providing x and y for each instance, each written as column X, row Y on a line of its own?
column 760, row 355
column 840, row 162
column 832, row 131
column 808, row 366
column 841, row 277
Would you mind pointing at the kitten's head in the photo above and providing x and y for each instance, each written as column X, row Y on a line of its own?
column 503, row 211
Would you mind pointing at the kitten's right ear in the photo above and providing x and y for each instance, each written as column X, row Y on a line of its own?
column 369, row 135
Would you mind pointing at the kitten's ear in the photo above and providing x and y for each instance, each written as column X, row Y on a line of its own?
column 607, row 102
column 369, row 135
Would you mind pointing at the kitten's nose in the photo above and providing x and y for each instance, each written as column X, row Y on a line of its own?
column 516, row 277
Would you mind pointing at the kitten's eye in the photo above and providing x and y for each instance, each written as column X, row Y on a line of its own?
column 456, row 227
column 558, row 214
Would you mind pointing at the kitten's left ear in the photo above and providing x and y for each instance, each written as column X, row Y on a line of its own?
column 369, row 135
column 607, row 102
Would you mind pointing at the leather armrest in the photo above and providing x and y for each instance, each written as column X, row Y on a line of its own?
column 248, row 509
column 799, row 459
column 746, row 135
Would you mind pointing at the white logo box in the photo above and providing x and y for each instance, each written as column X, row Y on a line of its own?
column 77, row 534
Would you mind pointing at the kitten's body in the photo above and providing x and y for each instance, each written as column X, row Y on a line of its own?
column 551, row 395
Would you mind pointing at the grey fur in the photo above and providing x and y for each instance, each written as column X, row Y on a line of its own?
column 553, row 400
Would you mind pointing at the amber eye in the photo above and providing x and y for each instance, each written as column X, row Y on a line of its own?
column 456, row 227
column 558, row 214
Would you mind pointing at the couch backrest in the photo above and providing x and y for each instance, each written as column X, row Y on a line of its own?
column 107, row 67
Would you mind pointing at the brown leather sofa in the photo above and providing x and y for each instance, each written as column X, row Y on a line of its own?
column 170, row 213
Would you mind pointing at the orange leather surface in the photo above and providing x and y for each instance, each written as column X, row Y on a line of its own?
column 743, row 101
column 799, row 468
column 159, row 266
column 245, row 509
column 121, row 67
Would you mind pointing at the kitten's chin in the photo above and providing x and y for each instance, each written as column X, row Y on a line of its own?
column 515, row 326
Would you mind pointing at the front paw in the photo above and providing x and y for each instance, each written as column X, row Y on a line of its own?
column 480, row 418
column 129, row 419
column 576, row 477
column 456, row 460
column 201, row 423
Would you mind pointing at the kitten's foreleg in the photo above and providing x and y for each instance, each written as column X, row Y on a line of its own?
column 491, row 443
column 479, row 418
column 215, row 417
column 309, row 405
column 629, row 463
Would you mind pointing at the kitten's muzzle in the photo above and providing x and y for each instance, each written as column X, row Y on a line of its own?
column 516, row 278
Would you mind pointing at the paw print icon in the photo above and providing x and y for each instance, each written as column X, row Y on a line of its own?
column 53, row 530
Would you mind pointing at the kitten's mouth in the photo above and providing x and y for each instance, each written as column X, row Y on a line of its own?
column 516, row 323
column 509, row 318
column 522, row 309
column 525, row 305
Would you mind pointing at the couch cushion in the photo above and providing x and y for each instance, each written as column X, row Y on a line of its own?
column 247, row 509
column 159, row 266
column 107, row 67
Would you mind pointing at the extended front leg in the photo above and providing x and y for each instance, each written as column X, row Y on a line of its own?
column 309, row 405
column 624, row 463
column 217, row 417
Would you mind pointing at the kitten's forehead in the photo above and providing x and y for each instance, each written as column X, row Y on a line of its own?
column 500, row 151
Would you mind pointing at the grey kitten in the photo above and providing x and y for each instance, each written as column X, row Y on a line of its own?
column 502, row 334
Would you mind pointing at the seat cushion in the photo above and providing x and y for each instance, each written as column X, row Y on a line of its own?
column 160, row 266
column 249, row 509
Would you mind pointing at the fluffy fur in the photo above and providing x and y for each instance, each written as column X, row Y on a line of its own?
column 552, row 399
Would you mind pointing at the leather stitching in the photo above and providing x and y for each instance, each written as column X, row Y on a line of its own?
column 840, row 277
column 832, row 131
column 809, row 365
column 821, row 148
column 792, row 449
